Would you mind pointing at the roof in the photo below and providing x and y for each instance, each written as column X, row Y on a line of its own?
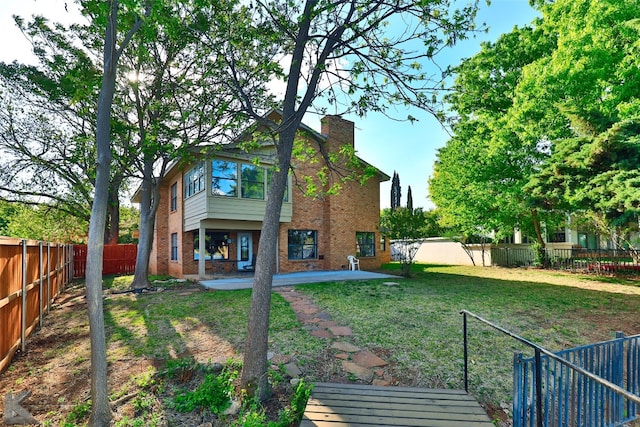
column 235, row 146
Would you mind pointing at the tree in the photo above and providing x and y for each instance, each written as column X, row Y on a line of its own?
column 480, row 174
column 409, row 199
column 183, row 103
column 48, row 123
column 40, row 222
column 597, row 175
column 108, row 17
column 406, row 228
column 583, row 85
column 331, row 47
column 395, row 191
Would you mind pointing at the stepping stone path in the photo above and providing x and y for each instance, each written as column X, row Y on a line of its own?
column 355, row 361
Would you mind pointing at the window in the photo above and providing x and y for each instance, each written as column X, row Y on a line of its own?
column 244, row 248
column 303, row 244
column 216, row 245
column 383, row 243
column 194, row 180
column 558, row 235
column 365, row 244
column 252, row 179
column 174, row 197
column 174, row 246
column 588, row 240
column 224, row 178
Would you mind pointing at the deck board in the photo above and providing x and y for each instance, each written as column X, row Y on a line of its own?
column 354, row 405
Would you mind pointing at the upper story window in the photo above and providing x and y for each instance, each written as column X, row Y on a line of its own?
column 365, row 244
column 224, row 178
column 194, row 180
column 303, row 244
column 174, row 197
column 252, row 178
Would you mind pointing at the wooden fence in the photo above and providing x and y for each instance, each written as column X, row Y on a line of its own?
column 32, row 274
column 116, row 259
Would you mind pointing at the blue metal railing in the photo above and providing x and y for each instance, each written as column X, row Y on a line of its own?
column 577, row 387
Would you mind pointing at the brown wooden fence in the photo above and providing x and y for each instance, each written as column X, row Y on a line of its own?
column 116, row 259
column 32, row 274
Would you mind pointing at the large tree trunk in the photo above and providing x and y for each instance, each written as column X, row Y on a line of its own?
column 100, row 410
column 112, row 227
column 150, row 200
column 254, row 368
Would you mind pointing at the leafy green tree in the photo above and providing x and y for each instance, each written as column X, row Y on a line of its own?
column 344, row 53
column 597, row 174
column 479, row 175
column 181, row 96
column 583, row 86
column 105, row 15
column 41, row 222
column 47, row 126
column 406, row 228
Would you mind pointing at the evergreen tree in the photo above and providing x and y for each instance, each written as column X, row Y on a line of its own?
column 395, row 191
column 409, row 199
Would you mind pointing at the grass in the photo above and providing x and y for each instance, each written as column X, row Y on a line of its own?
column 416, row 325
column 419, row 321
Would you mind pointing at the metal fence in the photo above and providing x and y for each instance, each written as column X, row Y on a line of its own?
column 32, row 274
column 594, row 385
column 602, row 261
column 571, row 399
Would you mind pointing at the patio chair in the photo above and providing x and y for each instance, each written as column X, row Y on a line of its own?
column 354, row 263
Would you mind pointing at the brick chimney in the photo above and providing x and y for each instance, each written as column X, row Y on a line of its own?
column 338, row 131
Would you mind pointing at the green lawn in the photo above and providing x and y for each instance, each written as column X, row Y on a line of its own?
column 416, row 325
column 419, row 321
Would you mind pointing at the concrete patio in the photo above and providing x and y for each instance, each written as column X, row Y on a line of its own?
column 289, row 279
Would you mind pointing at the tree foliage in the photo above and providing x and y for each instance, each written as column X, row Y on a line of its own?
column 548, row 88
column 40, row 222
column 406, row 228
column 346, row 54
column 47, row 125
column 395, row 191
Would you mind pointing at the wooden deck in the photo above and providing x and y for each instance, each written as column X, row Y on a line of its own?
column 342, row 405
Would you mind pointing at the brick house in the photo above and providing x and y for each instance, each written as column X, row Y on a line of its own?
column 211, row 211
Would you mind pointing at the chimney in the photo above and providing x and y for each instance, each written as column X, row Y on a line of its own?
column 338, row 131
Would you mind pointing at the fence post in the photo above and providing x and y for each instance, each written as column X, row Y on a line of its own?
column 539, row 417
column 517, row 409
column 466, row 354
column 48, row 277
column 40, row 288
column 23, row 317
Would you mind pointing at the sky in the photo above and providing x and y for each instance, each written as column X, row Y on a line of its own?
column 389, row 145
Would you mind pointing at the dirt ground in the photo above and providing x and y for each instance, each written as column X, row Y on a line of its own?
column 56, row 369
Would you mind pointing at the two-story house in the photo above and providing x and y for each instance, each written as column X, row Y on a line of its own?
column 211, row 210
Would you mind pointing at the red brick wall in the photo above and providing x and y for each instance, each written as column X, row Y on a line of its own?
column 336, row 217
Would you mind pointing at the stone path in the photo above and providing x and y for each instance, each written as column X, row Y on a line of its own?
column 361, row 363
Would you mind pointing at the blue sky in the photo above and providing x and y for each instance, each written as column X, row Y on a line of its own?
column 409, row 149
